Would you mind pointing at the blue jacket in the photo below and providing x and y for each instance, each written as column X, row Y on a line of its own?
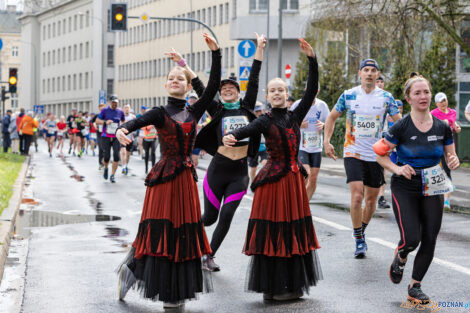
column 6, row 123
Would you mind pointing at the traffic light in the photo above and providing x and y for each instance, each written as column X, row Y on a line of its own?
column 119, row 16
column 4, row 94
column 13, row 80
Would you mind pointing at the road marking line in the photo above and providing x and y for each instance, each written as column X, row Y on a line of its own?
column 332, row 224
column 391, row 245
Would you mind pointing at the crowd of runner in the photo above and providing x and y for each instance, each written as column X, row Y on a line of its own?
column 287, row 138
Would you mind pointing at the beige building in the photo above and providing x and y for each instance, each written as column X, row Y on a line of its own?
column 140, row 60
column 10, row 34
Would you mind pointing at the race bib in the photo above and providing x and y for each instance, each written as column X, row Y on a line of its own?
column 85, row 132
column 111, row 128
column 100, row 128
column 231, row 123
column 436, row 181
column 51, row 130
column 311, row 139
column 366, row 126
column 74, row 125
column 93, row 135
column 60, row 133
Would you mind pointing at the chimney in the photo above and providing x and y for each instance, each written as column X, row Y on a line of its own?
column 11, row 8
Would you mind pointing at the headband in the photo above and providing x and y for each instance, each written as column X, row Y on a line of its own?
column 412, row 81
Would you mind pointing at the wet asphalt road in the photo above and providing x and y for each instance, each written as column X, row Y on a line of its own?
column 70, row 268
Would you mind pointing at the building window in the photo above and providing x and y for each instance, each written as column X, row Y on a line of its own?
column 58, row 56
column 225, row 57
column 74, row 81
column 70, row 53
column 44, row 32
column 226, row 16
column 48, row 85
column 87, row 50
column 14, row 51
column 49, row 58
column 80, row 79
column 75, row 22
column 64, row 26
column 110, row 86
column 63, row 55
column 14, row 100
column 464, row 58
column 87, row 20
column 70, row 24
column 49, row 31
column 43, row 86
column 232, row 56
column 69, row 83
column 81, row 21
column 110, row 56
column 58, row 84
column 63, row 83
column 234, row 9
column 292, row 5
column 58, row 28
column 53, row 29
column 81, row 51
column 74, row 52
column 53, row 57
column 259, row 5
column 53, row 85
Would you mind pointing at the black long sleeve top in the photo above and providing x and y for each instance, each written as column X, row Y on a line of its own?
column 210, row 137
column 281, row 129
column 176, row 126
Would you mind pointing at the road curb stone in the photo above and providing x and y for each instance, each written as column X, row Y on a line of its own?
column 8, row 217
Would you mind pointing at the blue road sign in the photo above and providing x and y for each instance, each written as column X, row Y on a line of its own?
column 244, row 72
column 246, row 48
column 1, row 44
column 38, row 108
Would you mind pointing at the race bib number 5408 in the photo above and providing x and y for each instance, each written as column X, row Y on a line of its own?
column 366, row 126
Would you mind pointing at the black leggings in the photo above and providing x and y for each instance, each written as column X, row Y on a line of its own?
column 419, row 220
column 106, row 144
column 228, row 179
column 149, row 148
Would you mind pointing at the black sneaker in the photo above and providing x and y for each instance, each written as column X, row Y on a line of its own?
column 396, row 269
column 415, row 294
column 208, row 264
column 111, row 178
column 383, row 204
column 105, row 173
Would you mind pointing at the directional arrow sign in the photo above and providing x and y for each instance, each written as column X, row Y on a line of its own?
column 244, row 72
column 246, row 48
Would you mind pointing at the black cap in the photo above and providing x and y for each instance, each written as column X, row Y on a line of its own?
column 113, row 97
column 380, row 78
column 230, row 80
column 291, row 99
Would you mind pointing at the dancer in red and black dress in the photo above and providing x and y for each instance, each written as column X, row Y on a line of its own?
column 281, row 238
column 165, row 259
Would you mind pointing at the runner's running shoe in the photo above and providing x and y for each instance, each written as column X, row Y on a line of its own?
column 105, row 173
column 361, row 248
column 396, row 269
column 111, row 178
column 383, row 204
column 208, row 264
column 417, row 295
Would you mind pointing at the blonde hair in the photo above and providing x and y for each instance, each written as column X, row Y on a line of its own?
column 414, row 78
column 276, row 79
column 182, row 69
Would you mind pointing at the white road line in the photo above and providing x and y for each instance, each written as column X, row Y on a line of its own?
column 391, row 245
column 332, row 224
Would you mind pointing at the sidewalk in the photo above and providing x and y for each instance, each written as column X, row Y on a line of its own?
column 460, row 199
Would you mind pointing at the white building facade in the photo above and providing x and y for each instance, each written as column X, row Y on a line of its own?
column 68, row 56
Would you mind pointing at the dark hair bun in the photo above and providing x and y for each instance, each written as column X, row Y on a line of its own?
column 414, row 74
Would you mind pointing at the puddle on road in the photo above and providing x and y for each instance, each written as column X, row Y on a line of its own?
column 115, row 234
column 27, row 219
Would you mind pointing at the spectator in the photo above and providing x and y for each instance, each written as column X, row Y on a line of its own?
column 18, row 122
column 26, row 129
column 5, row 133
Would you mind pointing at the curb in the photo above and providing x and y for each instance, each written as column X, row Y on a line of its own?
column 8, row 217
